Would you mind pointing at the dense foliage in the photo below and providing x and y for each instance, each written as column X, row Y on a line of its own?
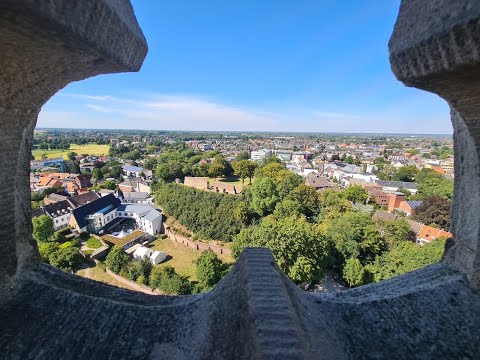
column 208, row 215
column 42, row 228
column 210, row 269
column 406, row 257
column 435, row 211
column 64, row 256
column 298, row 246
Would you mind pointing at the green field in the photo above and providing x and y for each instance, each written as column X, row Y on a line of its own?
column 90, row 149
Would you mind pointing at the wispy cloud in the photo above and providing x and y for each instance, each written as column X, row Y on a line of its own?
column 190, row 112
column 98, row 108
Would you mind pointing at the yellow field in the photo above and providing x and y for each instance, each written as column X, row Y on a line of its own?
column 90, row 149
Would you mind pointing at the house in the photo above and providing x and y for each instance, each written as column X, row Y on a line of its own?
column 132, row 171
column 428, row 234
column 136, row 198
column 385, row 216
column 147, row 217
column 319, row 182
column 93, row 216
column 395, row 185
column 59, row 212
column 71, row 183
column 409, row 206
column 260, row 154
column 135, row 184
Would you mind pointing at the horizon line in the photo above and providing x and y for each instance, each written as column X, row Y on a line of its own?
column 252, row 131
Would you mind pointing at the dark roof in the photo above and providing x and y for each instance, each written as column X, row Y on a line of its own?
column 383, row 215
column 398, row 184
column 37, row 212
column 415, row 203
column 92, row 207
column 58, row 208
column 318, row 181
column 83, row 199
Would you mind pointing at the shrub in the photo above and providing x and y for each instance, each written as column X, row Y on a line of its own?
column 168, row 281
column 117, row 260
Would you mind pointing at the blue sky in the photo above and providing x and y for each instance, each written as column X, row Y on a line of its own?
column 256, row 65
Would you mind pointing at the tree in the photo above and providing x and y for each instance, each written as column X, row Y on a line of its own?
column 264, row 196
column 209, row 269
column 435, row 210
column 168, row 281
column 75, row 168
column 431, row 183
column 242, row 213
column 308, row 198
column 406, row 257
column 109, row 184
column 42, row 227
column 72, row 155
column 272, row 159
column 151, row 149
column 287, row 208
column 356, row 193
column 244, row 169
column 354, row 236
column 97, row 174
column 406, row 173
column 394, row 232
column 116, row 259
column 299, row 248
column 65, row 259
column 353, row 272
column 244, row 155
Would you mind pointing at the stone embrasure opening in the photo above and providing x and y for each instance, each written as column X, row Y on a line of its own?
column 255, row 312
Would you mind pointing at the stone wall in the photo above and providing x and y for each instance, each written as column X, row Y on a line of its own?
column 200, row 246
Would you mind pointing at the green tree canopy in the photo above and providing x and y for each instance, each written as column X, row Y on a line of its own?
column 210, row 269
column 264, row 196
column 42, row 227
column 356, row 194
column 168, row 281
column 297, row 245
column 353, row 272
column 117, row 260
column 435, row 210
column 354, row 236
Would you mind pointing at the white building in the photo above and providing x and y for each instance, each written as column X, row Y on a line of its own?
column 147, row 217
column 260, row 154
column 59, row 212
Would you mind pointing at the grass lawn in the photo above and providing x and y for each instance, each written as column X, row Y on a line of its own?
column 93, row 243
column 90, row 149
column 233, row 180
column 181, row 257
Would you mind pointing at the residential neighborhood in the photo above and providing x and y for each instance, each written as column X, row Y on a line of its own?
column 122, row 197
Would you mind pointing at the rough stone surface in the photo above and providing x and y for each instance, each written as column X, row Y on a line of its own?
column 255, row 311
column 435, row 46
column 45, row 45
